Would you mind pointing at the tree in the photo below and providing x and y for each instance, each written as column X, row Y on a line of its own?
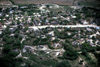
column 97, row 55
column 87, row 47
column 70, row 53
column 17, row 44
column 8, row 61
column 6, row 49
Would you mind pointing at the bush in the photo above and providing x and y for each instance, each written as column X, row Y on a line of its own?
column 8, row 61
column 87, row 47
column 63, row 64
column 70, row 53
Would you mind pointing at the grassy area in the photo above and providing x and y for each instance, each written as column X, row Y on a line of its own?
column 89, row 4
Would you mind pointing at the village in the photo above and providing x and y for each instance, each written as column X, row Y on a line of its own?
column 50, row 31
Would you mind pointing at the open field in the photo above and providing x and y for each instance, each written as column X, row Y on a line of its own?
column 5, row 2
column 62, row 2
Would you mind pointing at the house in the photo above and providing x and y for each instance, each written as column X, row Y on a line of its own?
column 28, row 49
column 56, row 45
column 4, row 26
column 85, row 22
column 51, row 33
column 1, row 14
column 42, row 47
column 98, row 28
column 54, row 23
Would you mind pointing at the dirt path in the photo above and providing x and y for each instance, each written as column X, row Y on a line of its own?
column 55, row 26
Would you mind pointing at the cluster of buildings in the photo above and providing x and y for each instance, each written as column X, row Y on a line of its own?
column 21, row 18
column 45, row 15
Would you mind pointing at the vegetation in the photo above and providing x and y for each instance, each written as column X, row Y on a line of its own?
column 63, row 64
column 21, row 46
column 70, row 53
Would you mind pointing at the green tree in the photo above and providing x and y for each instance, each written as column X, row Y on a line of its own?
column 87, row 47
column 70, row 53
